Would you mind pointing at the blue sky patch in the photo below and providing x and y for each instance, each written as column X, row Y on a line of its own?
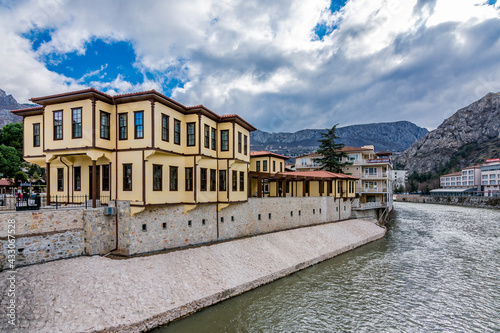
column 337, row 5
column 102, row 62
column 38, row 37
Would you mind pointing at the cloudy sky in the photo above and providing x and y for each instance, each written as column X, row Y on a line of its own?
column 283, row 65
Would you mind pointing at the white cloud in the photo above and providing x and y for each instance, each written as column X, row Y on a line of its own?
column 387, row 60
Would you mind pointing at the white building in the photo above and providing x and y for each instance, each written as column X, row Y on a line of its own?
column 399, row 178
column 490, row 177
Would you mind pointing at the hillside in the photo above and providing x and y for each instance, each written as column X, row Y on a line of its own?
column 468, row 137
column 7, row 103
column 395, row 137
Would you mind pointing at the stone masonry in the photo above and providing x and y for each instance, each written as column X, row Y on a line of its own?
column 167, row 227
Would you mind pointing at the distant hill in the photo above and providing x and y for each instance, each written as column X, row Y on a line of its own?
column 468, row 137
column 394, row 137
column 8, row 103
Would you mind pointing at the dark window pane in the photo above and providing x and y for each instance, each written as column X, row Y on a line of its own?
column 123, row 126
column 139, row 124
column 173, row 178
column 76, row 116
column 224, row 140
column 177, row 132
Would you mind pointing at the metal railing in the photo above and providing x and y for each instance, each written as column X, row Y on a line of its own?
column 36, row 202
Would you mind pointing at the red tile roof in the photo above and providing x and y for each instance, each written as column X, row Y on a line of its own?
column 452, row 174
column 348, row 148
column 40, row 100
column 267, row 153
column 36, row 108
column 5, row 182
column 318, row 174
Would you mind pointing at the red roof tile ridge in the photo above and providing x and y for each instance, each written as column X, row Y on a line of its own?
column 29, row 109
column 91, row 89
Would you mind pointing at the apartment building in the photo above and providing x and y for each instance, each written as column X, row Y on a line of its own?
column 373, row 171
column 399, row 178
column 467, row 178
column 142, row 147
column 490, row 177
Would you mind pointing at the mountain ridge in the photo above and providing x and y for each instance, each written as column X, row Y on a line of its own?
column 391, row 136
column 469, row 136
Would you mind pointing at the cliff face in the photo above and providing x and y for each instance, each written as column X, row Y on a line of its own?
column 7, row 103
column 396, row 136
column 468, row 137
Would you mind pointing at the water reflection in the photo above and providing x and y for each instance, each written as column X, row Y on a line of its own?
column 437, row 269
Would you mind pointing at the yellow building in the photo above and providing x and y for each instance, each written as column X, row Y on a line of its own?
column 268, row 178
column 142, row 147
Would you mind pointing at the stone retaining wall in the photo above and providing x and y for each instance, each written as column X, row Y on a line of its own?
column 173, row 226
column 97, row 294
column 47, row 235
column 482, row 202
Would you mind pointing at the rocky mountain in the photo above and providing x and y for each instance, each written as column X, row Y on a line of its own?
column 7, row 103
column 466, row 138
column 394, row 137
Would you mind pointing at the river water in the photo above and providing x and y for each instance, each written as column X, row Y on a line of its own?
column 437, row 269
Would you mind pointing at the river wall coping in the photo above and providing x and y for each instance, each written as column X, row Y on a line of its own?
column 98, row 294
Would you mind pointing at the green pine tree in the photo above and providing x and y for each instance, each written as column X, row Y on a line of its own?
column 331, row 151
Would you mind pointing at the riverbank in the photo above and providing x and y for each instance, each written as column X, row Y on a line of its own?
column 92, row 294
column 478, row 202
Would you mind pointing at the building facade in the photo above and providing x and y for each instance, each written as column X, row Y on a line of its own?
column 490, row 178
column 141, row 147
column 399, row 179
column 374, row 184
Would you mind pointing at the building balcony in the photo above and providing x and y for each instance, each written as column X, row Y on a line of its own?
column 371, row 205
column 375, row 176
column 374, row 190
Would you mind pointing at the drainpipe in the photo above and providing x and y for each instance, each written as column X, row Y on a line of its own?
column 117, row 129
column 67, row 166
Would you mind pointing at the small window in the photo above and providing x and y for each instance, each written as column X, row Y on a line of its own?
column 213, row 180
column 222, row 180
column 242, row 181
column 239, row 142
column 274, row 166
column 177, row 132
column 191, row 134
column 189, row 179
column 269, row 215
column 36, row 135
column 164, row 225
column 232, row 218
column 173, row 178
column 123, row 124
column 157, row 177
column 291, row 213
column 58, row 125
column 258, row 217
column 257, row 166
column 144, row 227
column 203, row 179
column 77, row 178
column 127, row 177
column 314, row 211
column 299, row 212
column 224, row 140
column 320, row 210
column 203, row 221
column 60, row 179
column 222, row 219
column 105, row 123
column 264, row 166
column 214, row 139
column 235, row 181
column 207, row 136
column 164, row 127
column 245, row 144
column 189, row 223
column 139, row 124
column 76, row 123
column 105, row 177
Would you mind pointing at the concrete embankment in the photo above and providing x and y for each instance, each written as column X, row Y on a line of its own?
column 472, row 201
column 88, row 294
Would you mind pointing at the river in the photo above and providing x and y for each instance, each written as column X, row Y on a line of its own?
column 437, row 269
